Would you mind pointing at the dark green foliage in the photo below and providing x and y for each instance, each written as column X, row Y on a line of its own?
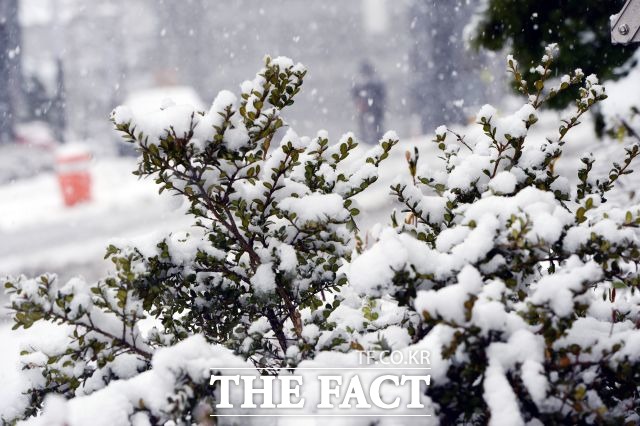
column 580, row 27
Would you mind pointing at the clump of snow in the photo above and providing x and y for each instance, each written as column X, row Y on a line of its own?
column 503, row 183
column 225, row 104
column 291, row 137
column 508, row 127
column 315, row 207
column 558, row 289
column 283, row 62
column 264, row 280
column 178, row 119
column 225, row 99
column 486, row 113
column 288, row 258
column 375, row 267
column 448, row 302
column 122, row 115
column 390, row 135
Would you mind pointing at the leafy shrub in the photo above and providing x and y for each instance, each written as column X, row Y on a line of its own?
column 520, row 282
column 526, row 282
column 273, row 224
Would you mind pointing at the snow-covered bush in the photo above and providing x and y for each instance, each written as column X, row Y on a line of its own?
column 520, row 282
column 525, row 283
column 274, row 221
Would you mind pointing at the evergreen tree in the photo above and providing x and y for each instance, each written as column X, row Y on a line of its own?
column 581, row 27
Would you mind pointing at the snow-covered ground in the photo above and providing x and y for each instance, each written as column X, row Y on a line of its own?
column 39, row 233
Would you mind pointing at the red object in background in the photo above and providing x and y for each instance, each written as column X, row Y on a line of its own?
column 74, row 177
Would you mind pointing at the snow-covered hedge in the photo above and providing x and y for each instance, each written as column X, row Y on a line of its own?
column 520, row 282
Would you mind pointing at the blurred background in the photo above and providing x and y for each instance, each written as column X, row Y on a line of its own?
column 66, row 188
column 71, row 61
column 65, row 64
